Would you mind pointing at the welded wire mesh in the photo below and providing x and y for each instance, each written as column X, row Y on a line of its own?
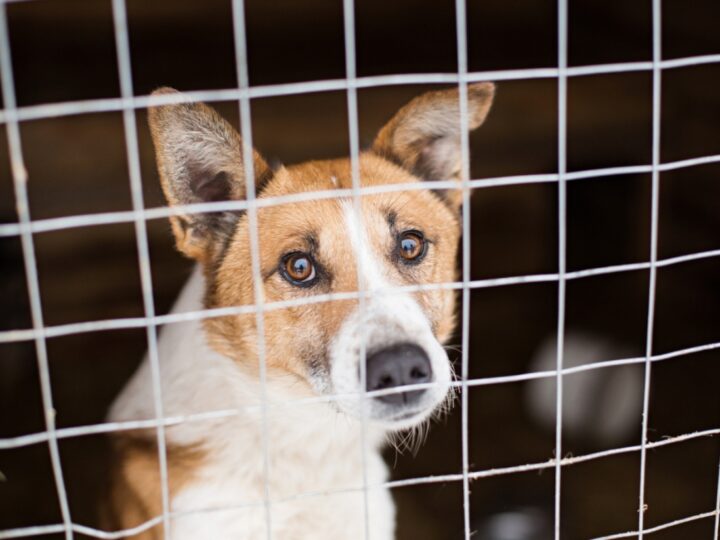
column 128, row 103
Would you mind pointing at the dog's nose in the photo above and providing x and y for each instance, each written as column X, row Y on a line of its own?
column 398, row 365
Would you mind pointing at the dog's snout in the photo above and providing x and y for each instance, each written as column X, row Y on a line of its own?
column 398, row 365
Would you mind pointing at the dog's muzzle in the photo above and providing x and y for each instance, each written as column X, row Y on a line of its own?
column 407, row 371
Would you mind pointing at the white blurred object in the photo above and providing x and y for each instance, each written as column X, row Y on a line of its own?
column 518, row 524
column 603, row 405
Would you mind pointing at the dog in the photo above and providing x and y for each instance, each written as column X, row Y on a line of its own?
column 284, row 457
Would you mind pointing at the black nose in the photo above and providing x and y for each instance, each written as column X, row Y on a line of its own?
column 398, row 365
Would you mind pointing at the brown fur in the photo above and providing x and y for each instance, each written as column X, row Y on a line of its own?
column 136, row 495
column 294, row 336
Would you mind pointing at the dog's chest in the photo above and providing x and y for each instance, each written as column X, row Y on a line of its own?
column 311, row 497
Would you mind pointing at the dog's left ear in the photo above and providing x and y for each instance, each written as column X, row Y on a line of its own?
column 424, row 136
column 200, row 159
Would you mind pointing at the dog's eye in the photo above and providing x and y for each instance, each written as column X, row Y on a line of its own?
column 298, row 269
column 412, row 246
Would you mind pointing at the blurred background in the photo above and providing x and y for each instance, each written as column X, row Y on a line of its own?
column 64, row 50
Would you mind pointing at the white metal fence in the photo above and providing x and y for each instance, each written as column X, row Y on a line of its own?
column 128, row 103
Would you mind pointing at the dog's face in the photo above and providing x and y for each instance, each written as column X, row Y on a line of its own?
column 373, row 244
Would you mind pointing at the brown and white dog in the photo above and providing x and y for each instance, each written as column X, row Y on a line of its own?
column 216, row 467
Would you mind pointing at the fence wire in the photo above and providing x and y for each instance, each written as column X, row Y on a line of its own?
column 122, row 44
column 20, row 179
column 241, row 60
column 562, row 61
column 461, row 31
column 128, row 103
column 654, row 219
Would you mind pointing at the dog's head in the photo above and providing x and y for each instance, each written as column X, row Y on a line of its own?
column 331, row 245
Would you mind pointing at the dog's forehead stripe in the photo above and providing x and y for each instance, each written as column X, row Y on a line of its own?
column 369, row 263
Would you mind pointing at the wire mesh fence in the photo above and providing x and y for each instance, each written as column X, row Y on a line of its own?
column 128, row 103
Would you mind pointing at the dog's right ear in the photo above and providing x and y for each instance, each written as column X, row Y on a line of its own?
column 199, row 158
column 424, row 136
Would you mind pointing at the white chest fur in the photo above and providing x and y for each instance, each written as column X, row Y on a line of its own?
column 312, row 450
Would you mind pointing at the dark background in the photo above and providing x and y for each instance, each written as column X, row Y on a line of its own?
column 64, row 50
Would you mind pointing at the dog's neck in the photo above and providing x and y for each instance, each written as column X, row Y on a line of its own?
column 197, row 381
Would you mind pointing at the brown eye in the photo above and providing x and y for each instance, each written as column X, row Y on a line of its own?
column 298, row 269
column 412, row 246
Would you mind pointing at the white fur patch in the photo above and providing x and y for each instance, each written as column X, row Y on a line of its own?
column 388, row 318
